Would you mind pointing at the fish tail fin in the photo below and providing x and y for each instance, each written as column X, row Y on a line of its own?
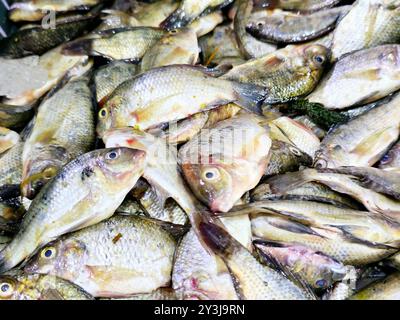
column 177, row 19
column 250, row 97
column 77, row 48
column 217, row 239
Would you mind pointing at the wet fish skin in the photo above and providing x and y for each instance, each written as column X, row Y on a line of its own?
column 189, row 10
column 283, row 27
column 249, row 46
column 375, row 202
column 319, row 270
column 290, row 131
column 199, row 274
column 11, row 166
column 8, row 139
column 35, row 10
column 286, row 158
column 56, row 67
column 219, row 45
column 369, row 23
column 359, row 78
column 375, row 179
column 329, row 242
column 78, row 197
column 177, row 47
column 361, row 142
column 163, row 95
column 22, row 286
column 311, row 191
column 38, row 40
column 286, row 74
column 298, row 5
column 117, row 44
column 122, row 256
column 387, row 289
column 64, row 129
column 107, row 78
column 161, row 171
column 254, row 281
column 14, row 117
column 217, row 163
column 391, row 161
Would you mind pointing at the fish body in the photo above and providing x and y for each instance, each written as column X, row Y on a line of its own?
column 199, row 274
column 311, row 191
column 359, row 78
column 122, row 256
column 107, row 78
column 284, row 27
column 35, row 10
column 375, row 202
column 14, row 117
column 369, row 23
column 117, row 44
column 301, row 5
column 286, row 74
column 64, row 129
column 86, row 191
column 286, row 158
column 177, row 47
column 292, row 132
column 224, row 162
column 11, row 166
column 8, row 139
column 163, row 95
column 189, row 10
column 249, row 46
column 161, row 171
column 319, row 270
column 329, row 242
column 253, row 280
column 53, row 66
column 22, row 286
column 361, row 142
column 38, row 40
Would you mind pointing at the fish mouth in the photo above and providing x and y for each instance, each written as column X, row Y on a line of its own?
column 220, row 206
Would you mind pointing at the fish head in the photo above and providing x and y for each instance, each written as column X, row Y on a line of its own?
column 316, row 59
column 63, row 258
column 122, row 165
column 107, row 113
column 43, row 165
column 290, row 154
column 391, row 159
column 10, row 288
column 211, row 183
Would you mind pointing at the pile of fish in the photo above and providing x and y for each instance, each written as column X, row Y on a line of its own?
column 213, row 149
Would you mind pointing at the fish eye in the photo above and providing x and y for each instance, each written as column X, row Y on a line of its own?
column 113, row 155
column 319, row 59
column 6, row 289
column 174, row 31
column 103, row 113
column 48, row 253
column 260, row 24
column 321, row 164
column 321, row 283
column 211, row 174
column 386, row 159
column 49, row 173
column 296, row 152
